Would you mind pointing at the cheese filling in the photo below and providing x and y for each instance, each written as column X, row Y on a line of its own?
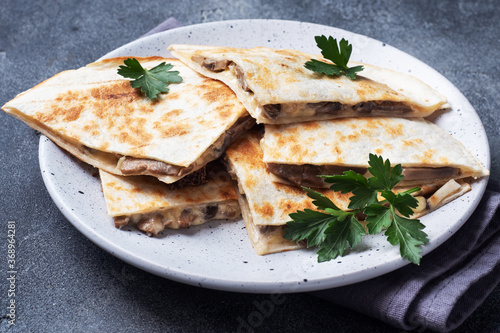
column 180, row 217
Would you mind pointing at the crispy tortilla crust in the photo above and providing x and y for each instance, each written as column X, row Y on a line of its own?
column 97, row 116
column 265, row 205
column 413, row 143
column 265, row 239
column 264, row 77
column 152, row 205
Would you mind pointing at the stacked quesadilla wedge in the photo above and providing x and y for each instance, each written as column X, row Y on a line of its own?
column 265, row 204
column 432, row 159
column 276, row 88
column 152, row 206
column 97, row 116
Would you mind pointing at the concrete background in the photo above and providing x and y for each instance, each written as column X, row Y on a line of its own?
column 67, row 284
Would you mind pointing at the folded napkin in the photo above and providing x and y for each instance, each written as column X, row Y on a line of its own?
column 451, row 282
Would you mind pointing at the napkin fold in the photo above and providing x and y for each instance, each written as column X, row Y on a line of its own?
column 450, row 283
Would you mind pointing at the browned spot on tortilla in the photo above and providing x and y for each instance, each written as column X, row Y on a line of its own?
column 288, row 206
column 298, row 151
column 250, row 181
column 288, row 54
column 120, row 91
column 213, row 92
column 104, row 146
column 372, row 123
column 65, row 108
column 353, row 137
column 310, row 126
column 366, row 132
column 396, row 130
column 168, row 130
column 92, row 128
column 224, row 111
column 266, row 210
column 73, row 113
column 365, row 87
column 340, row 136
column 336, row 150
column 172, row 95
column 133, row 132
column 172, row 114
column 444, row 160
column 427, row 156
column 411, row 143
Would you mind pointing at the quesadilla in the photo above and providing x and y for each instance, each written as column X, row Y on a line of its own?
column 96, row 115
column 276, row 88
column 265, row 205
column 296, row 154
column 152, row 206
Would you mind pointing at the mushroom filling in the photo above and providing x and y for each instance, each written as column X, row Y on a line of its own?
column 183, row 217
column 379, row 108
column 307, row 174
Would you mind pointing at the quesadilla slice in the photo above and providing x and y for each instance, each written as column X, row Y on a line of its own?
column 152, row 206
column 296, row 154
column 265, row 205
column 276, row 88
column 96, row 115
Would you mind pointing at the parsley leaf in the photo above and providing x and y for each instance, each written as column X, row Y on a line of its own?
column 333, row 229
column 403, row 202
column 378, row 218
column 383, row 177
column 309, row 224
column 320, row 200
column 338, row 235
column 152, row 81
column 409, row 235
column 338, row 54
column 347, row 182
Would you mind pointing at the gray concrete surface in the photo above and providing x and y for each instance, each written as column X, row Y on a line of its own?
column 65, row 283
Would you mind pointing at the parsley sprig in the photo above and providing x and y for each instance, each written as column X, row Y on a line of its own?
column 331, row 229
column 338, row 54
column 151, row 81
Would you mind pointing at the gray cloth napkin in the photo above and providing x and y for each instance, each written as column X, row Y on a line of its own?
column 451, row 282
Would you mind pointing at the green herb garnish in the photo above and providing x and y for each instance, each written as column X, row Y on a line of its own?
column 338, row 54
column 151, row 81
column 332, row 229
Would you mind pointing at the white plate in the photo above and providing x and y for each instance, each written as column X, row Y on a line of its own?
column 218, row 254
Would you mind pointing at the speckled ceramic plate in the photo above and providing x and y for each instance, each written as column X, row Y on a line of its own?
column 218, row 254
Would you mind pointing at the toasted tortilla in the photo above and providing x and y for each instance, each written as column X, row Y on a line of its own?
column 265, row 205
column 427, row 153
column 276, row 88
column 152, row 206
column 96, row 115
